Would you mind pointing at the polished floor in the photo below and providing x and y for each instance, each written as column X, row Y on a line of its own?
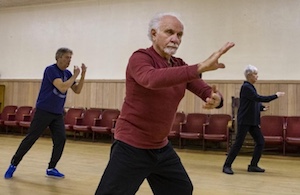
column 83, row 163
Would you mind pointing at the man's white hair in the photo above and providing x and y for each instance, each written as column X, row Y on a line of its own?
column 155, row 22
column 249, row 70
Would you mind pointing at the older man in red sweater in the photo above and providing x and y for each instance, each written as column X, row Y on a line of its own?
column 156, row 82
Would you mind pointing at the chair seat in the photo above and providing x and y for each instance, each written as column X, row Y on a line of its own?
column 173, row 134
column 101, row 129
column 69, row 127
column 25, row 123
column 273, row 139
column 82, row 128
column 293, row 140
column 216, row 137
column 11, row 123
column 190, row 135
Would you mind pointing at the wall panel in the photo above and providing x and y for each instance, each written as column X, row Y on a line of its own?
column 111, row 93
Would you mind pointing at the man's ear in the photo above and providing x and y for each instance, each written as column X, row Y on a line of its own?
column 153, row 34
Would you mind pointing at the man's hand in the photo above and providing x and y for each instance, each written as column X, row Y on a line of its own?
column 212, row 63
column 76, row 71
column 213, row 101
column 83, row 69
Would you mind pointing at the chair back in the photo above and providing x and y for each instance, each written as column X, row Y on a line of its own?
column 218, row 124
column 21, row 111
column 72, row 114
column 179, row 118
column 194, row 123
column 108, row 116
column 7, row 110
column 272, row 125
column 32, row 113
column 293, row 126
column 90, row 115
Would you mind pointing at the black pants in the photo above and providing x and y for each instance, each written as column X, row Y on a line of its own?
column 129, row 166
column 256, row 134
column 40, row 122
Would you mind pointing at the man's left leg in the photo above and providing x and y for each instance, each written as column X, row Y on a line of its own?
column 169, row 176
column 57, row 128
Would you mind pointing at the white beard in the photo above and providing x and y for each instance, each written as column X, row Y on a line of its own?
column 170, row 50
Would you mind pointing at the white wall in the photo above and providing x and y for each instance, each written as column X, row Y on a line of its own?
column 104, row 33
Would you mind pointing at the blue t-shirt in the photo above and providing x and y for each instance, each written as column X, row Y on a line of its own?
column 50, row 99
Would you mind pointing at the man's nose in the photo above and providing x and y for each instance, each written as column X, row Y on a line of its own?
column 175, row 39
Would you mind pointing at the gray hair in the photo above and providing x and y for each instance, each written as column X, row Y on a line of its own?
column 61, row 51
column 249, row 70
column 155, row 22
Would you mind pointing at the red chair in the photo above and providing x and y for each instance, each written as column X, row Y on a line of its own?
column 106, row 123
column 192, row 129
column 14, row 119
column 70, row 117
column 292, row 132
column 4, row 114
column 272, row 128
column 88, row 119
column 217, row 130
column 176, row 126
column 25, row 124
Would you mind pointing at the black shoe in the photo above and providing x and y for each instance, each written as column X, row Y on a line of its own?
column 255, row 169
column 228, row 170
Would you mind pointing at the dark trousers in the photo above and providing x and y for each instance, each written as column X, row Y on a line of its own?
column 256, row 134
column 129, row 166
column 40, row 122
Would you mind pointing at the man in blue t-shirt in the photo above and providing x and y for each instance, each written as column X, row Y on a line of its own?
column 49, row 110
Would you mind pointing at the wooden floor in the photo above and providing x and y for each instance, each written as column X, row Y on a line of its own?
column 83, row 164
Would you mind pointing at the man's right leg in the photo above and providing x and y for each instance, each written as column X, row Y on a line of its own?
column 126, row 170
column 38, row 124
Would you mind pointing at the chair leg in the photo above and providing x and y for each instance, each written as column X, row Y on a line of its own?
column 203, row 144
column 93, row 135
column 179, row 142
column 112, row 137
column 227, row 146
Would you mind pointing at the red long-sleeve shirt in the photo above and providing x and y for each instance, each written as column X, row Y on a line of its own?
column 154, row 89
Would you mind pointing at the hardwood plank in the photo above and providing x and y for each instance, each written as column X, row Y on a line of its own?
column 83, row 163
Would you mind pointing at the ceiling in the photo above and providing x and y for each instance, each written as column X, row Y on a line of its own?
column 18, row 3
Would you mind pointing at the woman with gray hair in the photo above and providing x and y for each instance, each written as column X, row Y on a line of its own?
column 248, row 119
